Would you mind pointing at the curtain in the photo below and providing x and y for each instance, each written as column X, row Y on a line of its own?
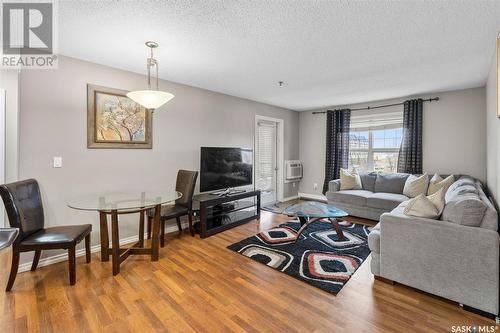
column 410, row 152
column 337, row 144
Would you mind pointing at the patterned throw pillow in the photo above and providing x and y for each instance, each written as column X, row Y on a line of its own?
column 349, row 181
column 437, row 182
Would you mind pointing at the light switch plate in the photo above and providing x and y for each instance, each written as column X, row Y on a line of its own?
column 57, row 162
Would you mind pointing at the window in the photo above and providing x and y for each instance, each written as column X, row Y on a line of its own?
column 374, row 141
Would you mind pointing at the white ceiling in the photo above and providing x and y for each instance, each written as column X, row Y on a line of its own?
column 327, row 52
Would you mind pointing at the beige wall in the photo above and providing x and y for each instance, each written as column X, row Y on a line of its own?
column 453, row 139
column 492, row 129
column 53, row 123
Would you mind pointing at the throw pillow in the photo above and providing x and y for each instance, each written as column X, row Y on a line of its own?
column 421, row 206
column 415, row 185
column 438, row 200
column 349, row 181
column 437, row 182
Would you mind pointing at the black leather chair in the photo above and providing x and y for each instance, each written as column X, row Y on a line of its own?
column 186, row 181
column 23, row 204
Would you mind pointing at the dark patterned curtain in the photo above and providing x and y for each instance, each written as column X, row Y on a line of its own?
column 410, row 152
column 337, row 144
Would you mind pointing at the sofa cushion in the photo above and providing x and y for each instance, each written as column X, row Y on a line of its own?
column 387, row 201
column 390, row 182
column 368, row 180
column 352, row 197
column 464, row 208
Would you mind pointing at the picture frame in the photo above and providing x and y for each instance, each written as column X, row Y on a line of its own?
column 498, row 76
column 114, row 121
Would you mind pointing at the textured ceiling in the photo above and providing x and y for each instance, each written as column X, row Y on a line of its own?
column 327, row 52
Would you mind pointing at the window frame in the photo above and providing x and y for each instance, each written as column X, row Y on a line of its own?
column 371, row 150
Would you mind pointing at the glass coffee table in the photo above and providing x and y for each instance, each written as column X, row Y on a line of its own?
column 309, row 212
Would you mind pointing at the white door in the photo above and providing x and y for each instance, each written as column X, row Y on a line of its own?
column 2, row 151
column 266, row 170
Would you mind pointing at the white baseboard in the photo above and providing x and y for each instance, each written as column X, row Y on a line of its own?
column 290, row 198
column 81, row 252
column 318, row 197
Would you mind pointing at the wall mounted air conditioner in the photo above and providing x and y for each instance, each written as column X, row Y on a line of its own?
column 293, row 170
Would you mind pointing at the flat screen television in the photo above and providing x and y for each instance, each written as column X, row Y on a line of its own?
column 223, row 168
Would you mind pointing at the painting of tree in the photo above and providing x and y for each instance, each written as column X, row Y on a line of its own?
column 118, row 118
column 116, row 121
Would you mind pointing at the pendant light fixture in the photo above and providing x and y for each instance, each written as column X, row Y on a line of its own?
column 151, row 99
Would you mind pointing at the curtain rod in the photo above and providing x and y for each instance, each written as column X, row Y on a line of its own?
column 378, row 106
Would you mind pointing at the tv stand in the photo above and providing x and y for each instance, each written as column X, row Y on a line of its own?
column 228, row 192
column 218, row 213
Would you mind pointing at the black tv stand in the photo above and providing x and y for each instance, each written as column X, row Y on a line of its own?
column 218, row 213
column 228, row 192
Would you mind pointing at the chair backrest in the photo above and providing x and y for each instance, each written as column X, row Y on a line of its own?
column 23, row 203
column 186, row 181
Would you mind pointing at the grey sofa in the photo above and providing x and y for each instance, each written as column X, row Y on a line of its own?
column 380, row 193
column 455, row 257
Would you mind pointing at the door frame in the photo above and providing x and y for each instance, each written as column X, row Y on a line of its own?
column 3, row 131
column 280, row 153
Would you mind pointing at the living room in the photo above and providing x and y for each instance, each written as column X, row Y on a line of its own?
column 266, row 166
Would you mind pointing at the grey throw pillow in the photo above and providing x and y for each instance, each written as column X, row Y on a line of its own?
column 390, row 182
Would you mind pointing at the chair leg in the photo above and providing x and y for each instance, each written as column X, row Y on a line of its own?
column 190, row 219
column 88, row 257
column 150, row 221
column 13, row 269
column 162, row 233
column 72, row 265
column 178, row 219
column 36, row 258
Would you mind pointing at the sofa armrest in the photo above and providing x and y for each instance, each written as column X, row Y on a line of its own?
column 334, row 185
column 457, row 262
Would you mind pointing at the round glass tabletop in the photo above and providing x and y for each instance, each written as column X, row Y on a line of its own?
column 123, row 201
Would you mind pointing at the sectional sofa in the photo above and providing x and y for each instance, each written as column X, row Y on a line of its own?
column 455, row 256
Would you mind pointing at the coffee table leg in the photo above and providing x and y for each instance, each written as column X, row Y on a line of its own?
column 302, row 220
column 304, row 226
column 337, row 228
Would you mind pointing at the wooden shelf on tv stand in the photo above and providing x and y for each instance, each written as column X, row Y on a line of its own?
column 218, row 213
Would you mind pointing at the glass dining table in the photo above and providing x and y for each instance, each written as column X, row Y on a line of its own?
column 115, row 204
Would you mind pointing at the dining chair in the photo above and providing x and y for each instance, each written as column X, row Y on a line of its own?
column 186, row 181
column 23, row 203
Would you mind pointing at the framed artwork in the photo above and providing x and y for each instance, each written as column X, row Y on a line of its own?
column 498, row 76
column 116, row 121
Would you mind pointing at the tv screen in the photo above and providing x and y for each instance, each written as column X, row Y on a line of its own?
column 222, row 168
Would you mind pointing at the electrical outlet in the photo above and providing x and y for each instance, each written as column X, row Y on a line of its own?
column 57, row 162
column 293, row 185
column 315, row 186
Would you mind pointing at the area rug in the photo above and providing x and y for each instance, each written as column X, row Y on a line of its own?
column 318, row 258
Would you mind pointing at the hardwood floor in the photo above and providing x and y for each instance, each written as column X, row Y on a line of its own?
column 199, row 285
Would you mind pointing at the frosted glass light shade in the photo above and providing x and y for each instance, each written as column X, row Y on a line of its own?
column 150, row 99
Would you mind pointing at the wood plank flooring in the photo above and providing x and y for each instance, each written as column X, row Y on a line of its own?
column 200, row 286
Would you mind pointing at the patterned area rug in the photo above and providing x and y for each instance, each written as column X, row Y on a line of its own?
column 317, row 258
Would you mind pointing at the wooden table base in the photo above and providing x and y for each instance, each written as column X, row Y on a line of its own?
column 305, row 223
column 120, row 254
